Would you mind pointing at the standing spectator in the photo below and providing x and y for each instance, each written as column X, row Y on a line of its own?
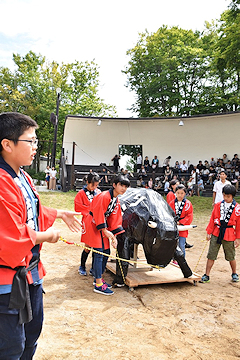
column 218, row 186
column 47, row 176
column 183, row 167
column 146, row 164
column 194, row 176
column 166, row 162
column 53, row 178
column 139, row 162
column 115, row 160
column 155, row 163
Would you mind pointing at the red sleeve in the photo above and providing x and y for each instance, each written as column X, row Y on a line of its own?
column 237, row 215
column 211, row 224
column 170, row 197
column 17, row 239
column 114, row 221
column 81, row 203
column 172, row 205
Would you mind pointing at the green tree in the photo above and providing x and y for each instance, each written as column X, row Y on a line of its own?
column 167, row 70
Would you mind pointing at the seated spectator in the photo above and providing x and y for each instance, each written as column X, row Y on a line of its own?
column 176, row 169
column 168, row 173
column 146, row 164
column 200, row 186
column 200, row 166
column 228, row 167
column 166, row 187
column 158, row 184
column 183, row 167
column 212, row 162
column 235, row 160
column 155, row 163
column 104, row 180
column 225, row 159
column 190, row 187
column 150, row 183
column 206, row 164
column 142, row 171
column 140, row 182
column 205, row 175
column 212, row 175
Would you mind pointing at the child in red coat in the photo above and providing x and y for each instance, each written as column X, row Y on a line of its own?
column 82, row 203
column 101, row 226
column 184, row 213
column 224, row 229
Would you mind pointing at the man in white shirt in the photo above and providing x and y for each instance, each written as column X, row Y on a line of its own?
column 139, row 162
column 218, row 186
column 183, row 166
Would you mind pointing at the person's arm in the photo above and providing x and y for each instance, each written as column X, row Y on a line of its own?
column 214, row 197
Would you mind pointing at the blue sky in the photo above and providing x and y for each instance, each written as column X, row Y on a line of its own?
column 103, row 31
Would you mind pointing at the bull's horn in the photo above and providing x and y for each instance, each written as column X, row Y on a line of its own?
column 185, row 227
column 152, row 224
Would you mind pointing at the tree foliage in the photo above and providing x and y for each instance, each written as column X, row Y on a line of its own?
column 31, row 89
column 181, row 72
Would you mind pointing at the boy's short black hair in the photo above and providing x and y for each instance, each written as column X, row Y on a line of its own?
column 223, row 171
column 181, row 187
column 13, row 125
column 122, row 180
column 93, row 178
column 229, row 189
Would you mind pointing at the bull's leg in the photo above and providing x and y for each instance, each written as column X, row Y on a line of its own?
column 123, row 249
column 179, row 257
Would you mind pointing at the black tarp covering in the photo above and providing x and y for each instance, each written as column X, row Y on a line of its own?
column 160, row 245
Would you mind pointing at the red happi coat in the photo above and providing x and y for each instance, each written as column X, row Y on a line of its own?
column 96, row 220
column 17, row 238
column 170, row 196
column 186, row 217
column 82, row 203
column 213, row 227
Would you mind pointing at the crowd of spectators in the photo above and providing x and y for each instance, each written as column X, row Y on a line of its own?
column 194, row 177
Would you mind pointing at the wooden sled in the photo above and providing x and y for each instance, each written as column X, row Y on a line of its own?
column 145, row 275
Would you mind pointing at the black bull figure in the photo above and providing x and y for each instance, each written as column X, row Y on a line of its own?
column 160, row 244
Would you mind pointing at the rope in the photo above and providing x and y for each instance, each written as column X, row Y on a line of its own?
column 200, row 255
column 120, row 265
column 111, row 256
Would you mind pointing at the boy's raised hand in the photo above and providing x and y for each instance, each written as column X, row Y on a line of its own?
column 69, row 217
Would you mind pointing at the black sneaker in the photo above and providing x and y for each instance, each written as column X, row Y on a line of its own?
column 205, row 279
column 235, row 277
column 188, row 246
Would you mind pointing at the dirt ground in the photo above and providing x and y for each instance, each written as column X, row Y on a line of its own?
column 155, row 322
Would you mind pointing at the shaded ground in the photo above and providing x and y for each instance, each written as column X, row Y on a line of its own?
column 160, row 322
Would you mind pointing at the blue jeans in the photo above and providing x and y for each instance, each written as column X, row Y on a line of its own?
column 182, row 242
column 100, row 262
column 20, row 341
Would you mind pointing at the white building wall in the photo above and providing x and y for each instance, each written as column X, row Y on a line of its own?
column 200, row 138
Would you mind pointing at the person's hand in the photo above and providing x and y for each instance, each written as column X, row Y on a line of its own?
column 237, row 243
column 208, row 237
column 70, row 220
column 114, row 242
column 52, row 235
